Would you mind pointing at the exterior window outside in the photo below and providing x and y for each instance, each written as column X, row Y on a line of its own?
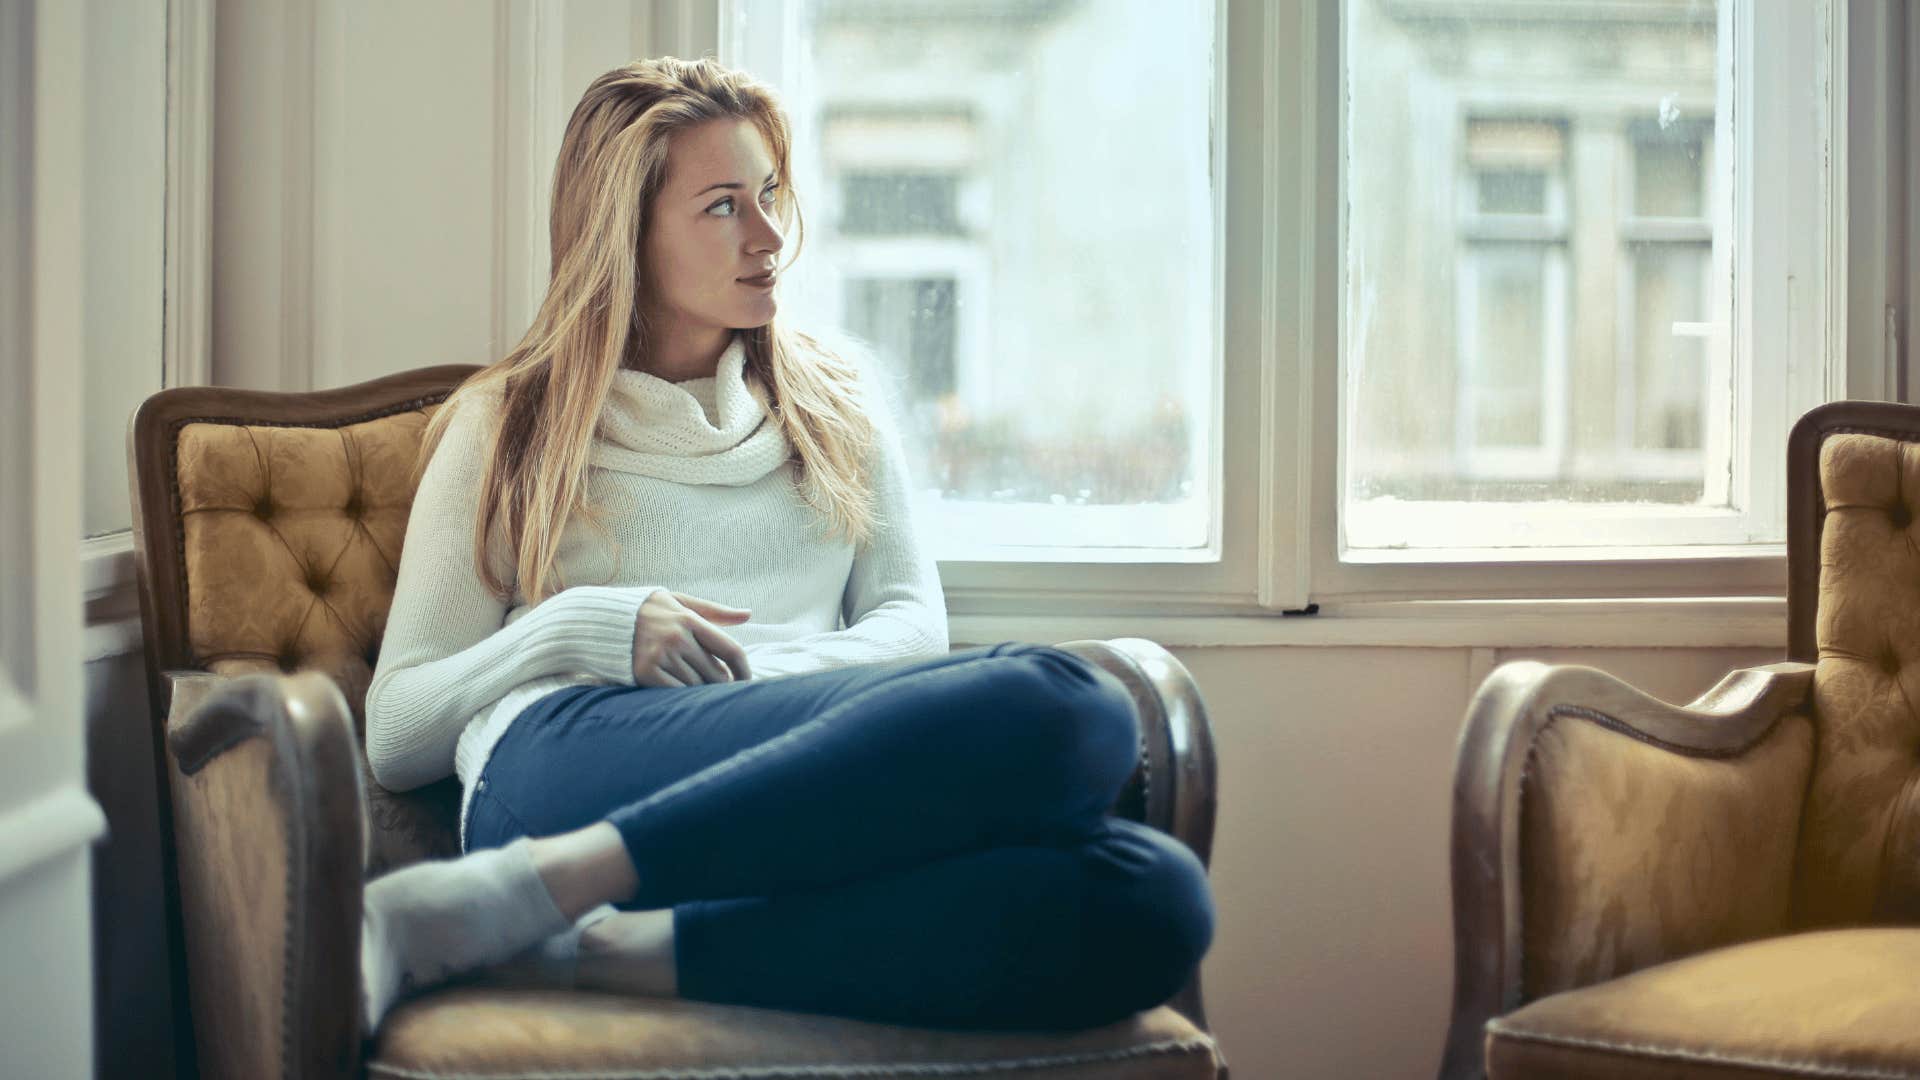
column 1011, row 203
column 1532, row 306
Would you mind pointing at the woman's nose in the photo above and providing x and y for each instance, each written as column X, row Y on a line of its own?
column 766, row 238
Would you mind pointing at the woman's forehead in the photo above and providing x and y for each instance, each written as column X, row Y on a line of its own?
column 718, row 152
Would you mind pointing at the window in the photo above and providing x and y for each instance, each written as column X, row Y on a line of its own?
column 1035, row 281
column 899, row 204
column 1556, row 332
column 1488, row 286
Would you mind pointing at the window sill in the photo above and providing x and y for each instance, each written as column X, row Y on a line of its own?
column 1644, row 553
column 108, row 579
column 1660, row 623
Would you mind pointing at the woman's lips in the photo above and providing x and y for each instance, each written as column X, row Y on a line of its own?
column 762, row 281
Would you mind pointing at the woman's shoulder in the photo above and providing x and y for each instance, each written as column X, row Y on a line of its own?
column 473, row 411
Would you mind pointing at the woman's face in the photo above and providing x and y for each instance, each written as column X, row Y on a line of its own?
column 712, row 240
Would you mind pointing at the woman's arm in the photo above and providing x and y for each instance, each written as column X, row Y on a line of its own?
column 446, row 654
column 893, row 606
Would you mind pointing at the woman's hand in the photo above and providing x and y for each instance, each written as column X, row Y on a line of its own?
column 676, row 644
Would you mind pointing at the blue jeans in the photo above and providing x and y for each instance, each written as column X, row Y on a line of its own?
column 922, row 842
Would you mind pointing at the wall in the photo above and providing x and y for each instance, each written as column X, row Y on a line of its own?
column 1333, row 954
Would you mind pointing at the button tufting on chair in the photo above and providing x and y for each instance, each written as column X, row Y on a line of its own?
column 263, row 507
column 1900, row 514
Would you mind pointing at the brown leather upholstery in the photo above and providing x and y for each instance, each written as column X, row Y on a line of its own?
column 1836, row 1003
column 476, row 1031
column 291, row 540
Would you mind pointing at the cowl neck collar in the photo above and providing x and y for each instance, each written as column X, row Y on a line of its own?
column 712, row 430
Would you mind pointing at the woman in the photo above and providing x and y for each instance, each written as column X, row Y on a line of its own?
column 619, row 617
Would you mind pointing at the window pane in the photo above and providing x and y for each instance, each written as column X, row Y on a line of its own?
column 1507, row 356
column 1669, row 284
column 1669, row 170
column 899, row 203
column 1011, row 203
column 1513, row 191
column 1529, row 251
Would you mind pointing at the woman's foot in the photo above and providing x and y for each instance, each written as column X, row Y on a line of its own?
column 549, row 965
column 426, row 923
column 608, row 950
column 630, row 953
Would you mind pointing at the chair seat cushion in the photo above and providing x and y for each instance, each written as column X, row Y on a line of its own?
column 478, row 1031
column 1834, row 1003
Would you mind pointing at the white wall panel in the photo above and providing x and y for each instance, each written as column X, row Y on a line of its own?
column 405, row 119
column 1333, row 953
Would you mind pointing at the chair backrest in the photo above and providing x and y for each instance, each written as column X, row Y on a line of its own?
column 1854, row 611
column 268, row 529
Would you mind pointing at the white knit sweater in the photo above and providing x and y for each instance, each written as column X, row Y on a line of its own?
column 696, row 488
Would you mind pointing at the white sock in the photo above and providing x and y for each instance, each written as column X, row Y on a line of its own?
column 428, row 922
column 550, row 965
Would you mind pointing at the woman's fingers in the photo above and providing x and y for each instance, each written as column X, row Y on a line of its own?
column 657, row 678
column 723, row 648
column 676, row 665
column 714, row 610
column 709, row 669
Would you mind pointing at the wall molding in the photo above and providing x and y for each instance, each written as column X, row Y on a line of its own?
column 297, row 203
column 1290, row 78
column 45, row 827
column 188, row 337
column 530, row 120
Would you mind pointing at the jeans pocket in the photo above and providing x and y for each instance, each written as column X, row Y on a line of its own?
column 489, row 823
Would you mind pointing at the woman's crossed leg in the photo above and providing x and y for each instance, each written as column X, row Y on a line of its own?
column 919, row 842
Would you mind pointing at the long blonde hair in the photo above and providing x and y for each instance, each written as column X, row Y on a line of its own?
column 552, row 386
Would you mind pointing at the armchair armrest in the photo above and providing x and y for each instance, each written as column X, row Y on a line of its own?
column 1175, row 786
column 1597, row 830
column 269, row 840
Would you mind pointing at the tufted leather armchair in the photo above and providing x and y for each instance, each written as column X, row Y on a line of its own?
column 267, row 532
column 1730, row 888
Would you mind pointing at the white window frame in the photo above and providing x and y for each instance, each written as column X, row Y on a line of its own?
column 1234, row 576
column 1767, row 318
column 1278, row 401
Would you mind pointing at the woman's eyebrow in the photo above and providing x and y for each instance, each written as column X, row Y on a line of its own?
column 731, row 185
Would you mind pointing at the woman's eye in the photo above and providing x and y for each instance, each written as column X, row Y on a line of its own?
column 767, row 196
column 723, row 208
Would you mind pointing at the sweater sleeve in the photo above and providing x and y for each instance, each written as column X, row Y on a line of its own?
column 893, row 606
column 449, row 651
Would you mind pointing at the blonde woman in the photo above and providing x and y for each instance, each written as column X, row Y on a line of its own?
column 662, row 610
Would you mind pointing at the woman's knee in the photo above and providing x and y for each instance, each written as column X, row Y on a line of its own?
column 1077, row 715
column 1149, row 916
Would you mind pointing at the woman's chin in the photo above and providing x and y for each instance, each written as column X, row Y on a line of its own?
column 756, row 317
